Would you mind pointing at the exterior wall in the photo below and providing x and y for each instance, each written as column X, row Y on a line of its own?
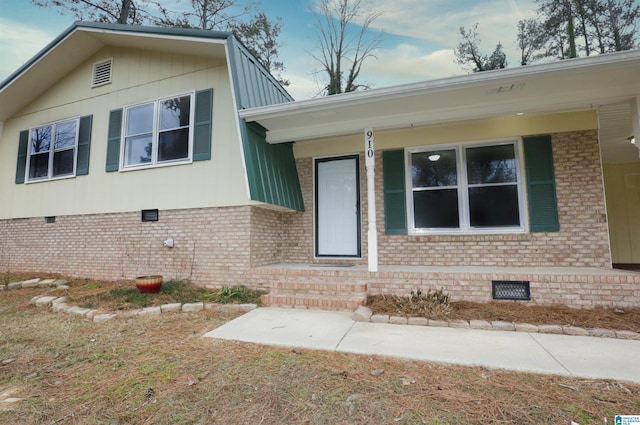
column 622, row 187
column 138, row 76
column 213, row 246
column 582, row 240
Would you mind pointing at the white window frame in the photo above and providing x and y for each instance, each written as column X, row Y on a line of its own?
column 154, row 163
column 52, row 151
column 463, row 186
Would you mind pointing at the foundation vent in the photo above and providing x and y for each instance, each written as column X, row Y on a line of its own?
column 510, row 290
column 150, row 215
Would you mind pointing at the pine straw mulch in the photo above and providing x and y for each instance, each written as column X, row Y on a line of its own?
column 158, row 370
column 517, row 312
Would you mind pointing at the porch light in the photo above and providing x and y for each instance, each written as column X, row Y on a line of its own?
column 434, row 158
column 632, row 140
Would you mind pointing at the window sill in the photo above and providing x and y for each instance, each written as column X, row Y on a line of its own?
column 153, row 166
column 52, row 179
column 471, row 237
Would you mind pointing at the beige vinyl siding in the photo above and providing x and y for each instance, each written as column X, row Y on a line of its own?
column 622, row 188
column 487, row 129
column 138, row 76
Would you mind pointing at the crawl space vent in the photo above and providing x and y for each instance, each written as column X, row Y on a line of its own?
column 101, row 73
column 149, row 215
column 510, row 290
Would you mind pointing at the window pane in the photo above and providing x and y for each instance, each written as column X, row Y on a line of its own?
column 491, row 164
column 140, row 119
column 495, row 206
column 173, row 145
column 174, row 112
column 434, row 168
column 137, row 150
column 63, row 162
column 65, row 134
column 39, row 166
column 436, row 209
column 41, row 139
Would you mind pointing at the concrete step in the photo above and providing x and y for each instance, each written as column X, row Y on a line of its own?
column 314, row 301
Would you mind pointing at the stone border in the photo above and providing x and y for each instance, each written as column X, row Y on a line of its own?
column 59, row 304
column 364, row 314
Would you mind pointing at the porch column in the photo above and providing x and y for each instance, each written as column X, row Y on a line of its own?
column 635, row 119
column 372, row 232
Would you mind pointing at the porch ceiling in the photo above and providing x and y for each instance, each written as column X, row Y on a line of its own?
column 607, row 83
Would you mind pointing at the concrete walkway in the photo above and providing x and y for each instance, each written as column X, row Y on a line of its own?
column 579, row 356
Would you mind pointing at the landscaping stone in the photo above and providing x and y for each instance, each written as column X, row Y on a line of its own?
column 91, row 313
column 380, row 318
column 438, row 323
column 31, row 283
column 3, row 287
column 244, row 308
column 59, row 300
column 362, row 314
column 99, row 318
column 460, row 324
column 46, row 283
column 550, row 329
column 189, row 307
column 480, row 324
column 63, row 287
column 628, row 335
column 171, row 308
column 499, row 325
column 602, row 333
column 78, row 310
column 397, row 320
column 59, row 282
column 14, row 285
column 43, row 301
column 7, row 361
column 418, row 321
column 35, row 299
column 150, row 311
column 130, row 313
column 58, row 307
column 574, row 330
column 526, row 327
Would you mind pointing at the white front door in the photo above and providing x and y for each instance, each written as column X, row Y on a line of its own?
column 337, row 207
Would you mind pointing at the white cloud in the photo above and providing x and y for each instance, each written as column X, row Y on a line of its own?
column 18, row 43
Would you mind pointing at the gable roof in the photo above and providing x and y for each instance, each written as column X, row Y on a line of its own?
column 83, row 39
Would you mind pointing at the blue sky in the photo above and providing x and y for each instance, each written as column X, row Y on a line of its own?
column 419, row 39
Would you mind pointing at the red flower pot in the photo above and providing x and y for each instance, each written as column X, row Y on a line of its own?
column 149, row 284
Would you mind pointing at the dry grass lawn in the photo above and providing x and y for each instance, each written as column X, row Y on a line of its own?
column 62, row 369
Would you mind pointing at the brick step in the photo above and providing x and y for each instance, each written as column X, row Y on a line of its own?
column 318, row 288
column 311, row 301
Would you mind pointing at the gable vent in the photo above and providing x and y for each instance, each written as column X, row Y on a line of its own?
column 101, row 73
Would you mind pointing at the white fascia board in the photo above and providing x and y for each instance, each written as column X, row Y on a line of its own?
column 567, row 66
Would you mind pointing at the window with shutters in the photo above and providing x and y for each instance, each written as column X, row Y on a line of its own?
column 159, row 132
column 101, row 73
column 52, row 150
column 466, row 188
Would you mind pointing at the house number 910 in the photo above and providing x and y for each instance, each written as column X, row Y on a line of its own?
column 369, row 147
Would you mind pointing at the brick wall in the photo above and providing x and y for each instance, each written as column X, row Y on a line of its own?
column 212, row 245
column 581, row 242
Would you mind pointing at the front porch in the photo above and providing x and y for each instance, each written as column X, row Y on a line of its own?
column 345, row 287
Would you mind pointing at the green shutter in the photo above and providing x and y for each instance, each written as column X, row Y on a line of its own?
column 541, row 184
column 84, row 145
column 395, row 209
column 113, row 140
column 202, row 125
column 21, row 165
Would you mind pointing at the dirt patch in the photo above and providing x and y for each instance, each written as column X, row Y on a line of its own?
column 158, row 370
column 517, row 312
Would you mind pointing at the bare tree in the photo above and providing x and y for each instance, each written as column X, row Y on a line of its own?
column 468, row 52
column 341, row 49
column 118, row 11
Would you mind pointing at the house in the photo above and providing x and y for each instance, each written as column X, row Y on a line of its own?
column 132, row 150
